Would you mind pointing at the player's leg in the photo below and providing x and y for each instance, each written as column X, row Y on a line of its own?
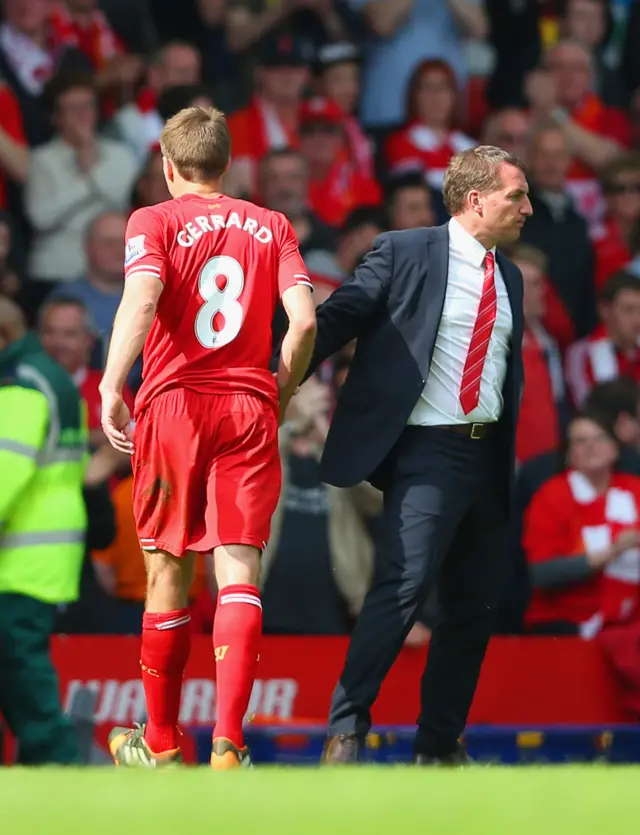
column 237, row 631
column 166, row 641
column 165, row 499
column 243, row 489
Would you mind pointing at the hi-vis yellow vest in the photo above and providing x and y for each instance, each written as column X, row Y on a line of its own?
column 43, row 452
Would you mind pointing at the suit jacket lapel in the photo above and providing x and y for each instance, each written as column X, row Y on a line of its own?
column 437, row 275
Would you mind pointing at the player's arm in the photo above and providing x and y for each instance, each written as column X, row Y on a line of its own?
column 351, row 307
column 144, row 281
column 295, row 292
column 297, row 345
column 132, row 324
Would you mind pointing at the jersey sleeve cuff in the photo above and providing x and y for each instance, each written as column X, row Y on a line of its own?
column 150, row 269
column 302, row 278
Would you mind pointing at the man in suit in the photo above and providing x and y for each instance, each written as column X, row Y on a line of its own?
column 428, row 414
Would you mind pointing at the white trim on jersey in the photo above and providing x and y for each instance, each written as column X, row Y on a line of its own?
column 142, row 269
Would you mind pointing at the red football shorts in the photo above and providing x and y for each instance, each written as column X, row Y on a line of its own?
column 206, row 472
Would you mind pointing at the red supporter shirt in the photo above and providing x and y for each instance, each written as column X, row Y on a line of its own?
column 538, row 429
column 11, row 124
column 611, row 250
column 342, row 191
column 419, row 147
column 223, row 262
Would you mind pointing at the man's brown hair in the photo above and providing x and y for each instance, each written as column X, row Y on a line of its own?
column 474, row 169
column 198, row 143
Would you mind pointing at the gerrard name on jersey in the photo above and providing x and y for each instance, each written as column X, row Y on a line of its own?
column 193, row 230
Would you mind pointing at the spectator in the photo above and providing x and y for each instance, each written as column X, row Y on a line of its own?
column 42, row 449
column 596, row 133
column 580, row 536
column 618, row 404
column 80, row 24
column 120, row 568
column 356, row 238
column 283, row 187
column 100, row 289
column 401, row 35
column 338, row 78
column 14, row 153
column 134, row 23
column 590, row 23
column 429, row 140
column 73, row 178
column 9, row 281
column 174, row 99
column 335, row 188
column 613, row 239
column 30, row 55
column 558, row 230
column 138, row 123
column 408, row 203
column 151, row 187
column 66, row 334
column 324, row 523
column 508, row 128
column 251, row 24
column 271, row 121
column 221, row 69
column 613, row 349
column 543, row 405
column 516, row 31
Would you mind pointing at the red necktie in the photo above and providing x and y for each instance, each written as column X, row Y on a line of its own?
column 485, row 320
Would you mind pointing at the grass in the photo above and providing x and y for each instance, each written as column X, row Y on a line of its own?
column 394, row 800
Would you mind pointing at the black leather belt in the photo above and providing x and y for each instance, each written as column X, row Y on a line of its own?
column 475, row 431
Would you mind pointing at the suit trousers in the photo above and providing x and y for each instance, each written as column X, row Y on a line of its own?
column 445, row 525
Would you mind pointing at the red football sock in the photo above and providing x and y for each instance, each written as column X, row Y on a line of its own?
column 166, row 640
column 237, row 630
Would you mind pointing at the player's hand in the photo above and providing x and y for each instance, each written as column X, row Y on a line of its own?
column 116, row 422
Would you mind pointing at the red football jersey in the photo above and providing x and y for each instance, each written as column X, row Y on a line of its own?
column 224, row 263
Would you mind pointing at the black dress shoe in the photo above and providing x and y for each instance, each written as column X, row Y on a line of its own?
column 457, row 757
column 341, row 750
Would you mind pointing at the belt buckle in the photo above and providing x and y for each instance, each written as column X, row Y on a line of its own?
column 476, row 427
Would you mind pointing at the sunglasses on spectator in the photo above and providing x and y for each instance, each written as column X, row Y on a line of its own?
column 623, row 188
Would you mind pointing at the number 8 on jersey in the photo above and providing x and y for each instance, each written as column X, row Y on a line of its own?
column 219, row 301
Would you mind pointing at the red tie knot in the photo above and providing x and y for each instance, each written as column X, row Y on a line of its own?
column 489, row 261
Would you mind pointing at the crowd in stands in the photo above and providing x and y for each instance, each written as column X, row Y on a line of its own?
column 344, row 115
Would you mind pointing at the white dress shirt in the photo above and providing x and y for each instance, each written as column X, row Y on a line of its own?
column 439, row 403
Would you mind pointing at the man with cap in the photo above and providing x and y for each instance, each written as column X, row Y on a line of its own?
column 271, row 120
column 335, row 188
column 337, row 71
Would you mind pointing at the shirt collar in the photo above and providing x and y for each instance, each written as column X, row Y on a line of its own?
column 473, row 249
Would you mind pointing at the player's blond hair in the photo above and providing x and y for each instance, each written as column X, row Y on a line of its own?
column 198, row 143
column 475, row 169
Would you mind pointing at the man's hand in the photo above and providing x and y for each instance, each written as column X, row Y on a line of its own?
column 312, row 401
column 116, row 422
column 418, row 636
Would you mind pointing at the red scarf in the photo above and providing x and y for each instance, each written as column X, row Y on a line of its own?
column 98, row 41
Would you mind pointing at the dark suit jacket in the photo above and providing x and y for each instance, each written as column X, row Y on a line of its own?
column 393, row 304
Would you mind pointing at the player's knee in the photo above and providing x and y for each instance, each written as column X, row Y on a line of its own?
column 236, row 565
column 165, row 580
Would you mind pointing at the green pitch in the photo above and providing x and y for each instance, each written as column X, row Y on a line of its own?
column 553, row 800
